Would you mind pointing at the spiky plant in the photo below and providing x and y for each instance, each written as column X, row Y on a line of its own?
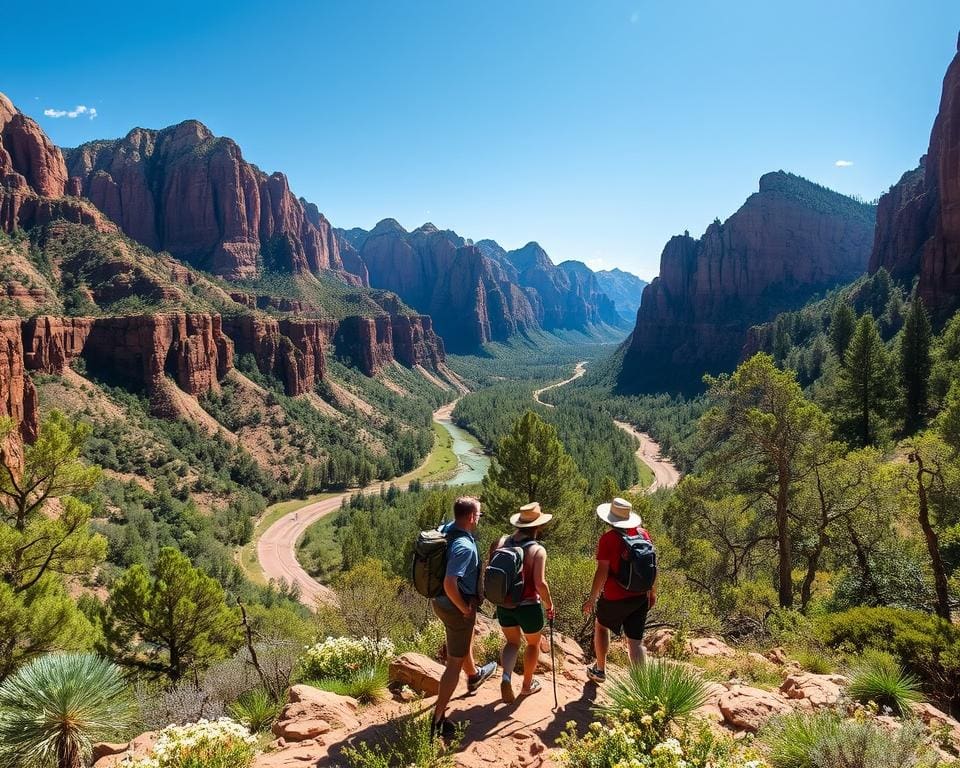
column 367, row 685
column 792, row 738
column 879, row 678
column 256, row 710
column 665, row 689
column 54, row 708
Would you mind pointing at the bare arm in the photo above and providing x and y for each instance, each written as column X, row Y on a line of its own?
column 540, row 578
column 452, row 590
column 599, row 579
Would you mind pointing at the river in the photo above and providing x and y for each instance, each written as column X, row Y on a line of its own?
column 473, row 463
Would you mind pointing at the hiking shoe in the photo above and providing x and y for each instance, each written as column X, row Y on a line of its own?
column 442, row 729
column 597, row 675
column 506, row 692
column 483, row 674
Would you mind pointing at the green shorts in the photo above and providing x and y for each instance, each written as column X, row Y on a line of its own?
column 528, row 617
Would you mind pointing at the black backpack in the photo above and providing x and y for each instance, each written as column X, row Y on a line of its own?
column 638, row 567
column 429, row 566
column 503, row 577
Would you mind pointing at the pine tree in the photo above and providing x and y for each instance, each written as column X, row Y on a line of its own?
column 866, row 387
column 915, row 363
column 842, row 325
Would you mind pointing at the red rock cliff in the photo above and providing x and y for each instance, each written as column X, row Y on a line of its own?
column 918, row 220
column 186, row 191
column 18, row 397
column 788, row 241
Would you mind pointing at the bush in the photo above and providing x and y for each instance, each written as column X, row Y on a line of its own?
column 662, row 690
column 824, row 740
column 880, row 679
column 410, row 745
column 221, row 743
column 256, row 710
column 340, row 658
column 366, row 685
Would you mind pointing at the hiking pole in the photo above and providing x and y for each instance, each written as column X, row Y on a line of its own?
column 553, row 667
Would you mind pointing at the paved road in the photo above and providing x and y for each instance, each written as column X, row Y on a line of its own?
column 277, row 547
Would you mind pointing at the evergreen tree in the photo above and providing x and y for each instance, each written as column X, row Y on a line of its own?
column 171, row 620
column 915, row 363
column 842, row 326
column 866, row 387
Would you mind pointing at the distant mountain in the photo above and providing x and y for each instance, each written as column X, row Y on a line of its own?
column 918, row 220
column 625, row 288
column 787, row 242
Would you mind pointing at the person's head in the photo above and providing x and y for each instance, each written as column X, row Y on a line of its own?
column 619, row 513
column 466, row 512
column 530, row 520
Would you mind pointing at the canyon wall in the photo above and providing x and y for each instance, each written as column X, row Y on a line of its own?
column 789, row 241
column 918, row 220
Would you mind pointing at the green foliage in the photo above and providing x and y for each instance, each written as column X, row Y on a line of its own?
column 372, row 602
column 675, row 690
column 256, row 710
column 880, row 679
column 56, row 707
column 825, row 740
column 865, row 389
column 843, row 323
column 217, row 744
column 915, row 363
column 367, row 685
column 169, row 620
column 408, row 745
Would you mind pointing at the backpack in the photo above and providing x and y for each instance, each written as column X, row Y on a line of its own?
column 503, row 577
column 429, row 566
column 638, row 568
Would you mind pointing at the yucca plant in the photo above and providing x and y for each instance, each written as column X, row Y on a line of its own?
column 367, row 685
column 665, row 688
column 256, row 710
column 879, row 678
column 54, row 708
column 792, row 738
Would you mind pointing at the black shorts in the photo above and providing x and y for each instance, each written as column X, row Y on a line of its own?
column 628, row 616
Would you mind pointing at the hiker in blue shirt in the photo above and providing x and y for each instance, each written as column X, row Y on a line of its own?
column 457, row 610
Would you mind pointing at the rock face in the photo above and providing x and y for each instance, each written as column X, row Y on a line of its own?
column 918, row 220
column 186, row 191
column 788, row 241
column 33, row 177
column 624, row 288
column 18, row 397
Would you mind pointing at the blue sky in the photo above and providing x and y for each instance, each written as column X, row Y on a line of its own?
column 598, row 128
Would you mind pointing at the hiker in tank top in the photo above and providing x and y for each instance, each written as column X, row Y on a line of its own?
column 614, row 608
column 526, row 618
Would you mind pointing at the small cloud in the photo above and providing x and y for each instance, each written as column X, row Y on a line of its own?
column 80, row 109
column 843, row 163
column 635, row 17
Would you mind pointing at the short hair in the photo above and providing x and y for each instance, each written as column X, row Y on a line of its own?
column 465, row 506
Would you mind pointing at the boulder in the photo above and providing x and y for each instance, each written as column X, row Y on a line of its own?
column 310, row 713
column 419, row 672
column 137, row 748
column 818, row 690
column 749, row 708
column 710, row 647
column 777, row 655
column 936, row 719
column 658, row 641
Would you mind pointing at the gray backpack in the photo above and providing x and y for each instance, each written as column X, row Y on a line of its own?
column 503, row 580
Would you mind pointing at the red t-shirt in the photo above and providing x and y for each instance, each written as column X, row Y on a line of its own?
column 611, row 549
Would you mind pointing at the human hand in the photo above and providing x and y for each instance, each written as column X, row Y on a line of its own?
column 651, row 598
column 468, row 610
column 551, row 613
column 588, row 608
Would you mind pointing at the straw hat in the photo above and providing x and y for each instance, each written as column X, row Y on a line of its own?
column 619, row 513
column 530, row 516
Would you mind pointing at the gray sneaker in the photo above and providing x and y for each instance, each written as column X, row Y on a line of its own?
column 483, row 674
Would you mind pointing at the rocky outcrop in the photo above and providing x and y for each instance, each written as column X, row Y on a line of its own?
column 33, row 177
column 585, row 298
column 789, row 241
column 18, row 397
column 918, row 220
column 311, row 713
column 186, row 191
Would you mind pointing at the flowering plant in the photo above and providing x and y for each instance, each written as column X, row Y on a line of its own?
column 340, row 658
column 221, row 743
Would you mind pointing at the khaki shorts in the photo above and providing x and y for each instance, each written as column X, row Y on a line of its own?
column 459, row 628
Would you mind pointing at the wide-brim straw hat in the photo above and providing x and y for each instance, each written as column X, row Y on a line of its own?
column 530, row 516
column 619, row 513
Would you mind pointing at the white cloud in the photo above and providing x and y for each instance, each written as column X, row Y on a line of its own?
column 843, row 163
column 80, row 109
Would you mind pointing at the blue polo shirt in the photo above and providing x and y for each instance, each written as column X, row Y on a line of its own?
column 463, row 561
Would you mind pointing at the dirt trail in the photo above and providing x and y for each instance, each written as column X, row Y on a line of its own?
column 277, row 547
column 665, row 475
column 577, row 373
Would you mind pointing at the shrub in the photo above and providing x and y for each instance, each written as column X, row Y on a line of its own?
column 824, row 740
column 221, row 743
column 817, row 662
column 880, row 679
column 409, row 745
column 366, row 685
column 340, row 658
column 663, row 690
column 54, row 708
column 256, row 710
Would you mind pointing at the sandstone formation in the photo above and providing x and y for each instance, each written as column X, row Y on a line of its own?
column 748, row 708
column 787, row 242
column 417, row 671
column 18, row 397
column 918, row 220
column 186, row 191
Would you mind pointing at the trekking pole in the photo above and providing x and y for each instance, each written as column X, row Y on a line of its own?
column 553, row 667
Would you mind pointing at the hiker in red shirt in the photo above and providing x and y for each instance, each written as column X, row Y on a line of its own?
column 614, row 608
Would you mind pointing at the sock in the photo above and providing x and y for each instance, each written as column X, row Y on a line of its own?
column 506, row 677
